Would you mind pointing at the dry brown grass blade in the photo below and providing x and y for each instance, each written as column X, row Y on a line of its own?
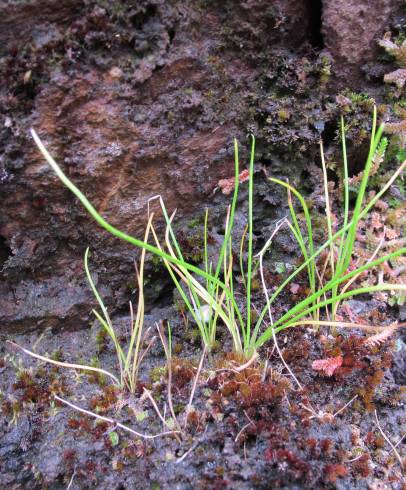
column 393, row 447
column 112, row 421
column 279, row 224
column 325, row 323
column 65, row 364
column 168, row 355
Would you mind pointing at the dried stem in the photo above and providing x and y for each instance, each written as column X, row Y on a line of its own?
column 192, row 394
column 112, row 421
column 168, row 354
column 261, row 268
column 151, row 399
column 66, row 364
column 388, row 441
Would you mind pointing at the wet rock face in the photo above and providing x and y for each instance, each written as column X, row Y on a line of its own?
column 134, row 101
column 351, row 29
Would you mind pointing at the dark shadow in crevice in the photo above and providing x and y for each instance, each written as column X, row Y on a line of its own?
column 5, row 252
column 314, row 15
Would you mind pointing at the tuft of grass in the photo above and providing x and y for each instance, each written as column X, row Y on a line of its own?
column 130, row 358
column 341, row 248
column 209, row 291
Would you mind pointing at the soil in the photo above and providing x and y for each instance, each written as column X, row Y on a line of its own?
column 246, row 430
column 136, row 99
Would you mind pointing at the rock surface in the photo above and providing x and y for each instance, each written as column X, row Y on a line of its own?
column 135, row 101
column 351, row 29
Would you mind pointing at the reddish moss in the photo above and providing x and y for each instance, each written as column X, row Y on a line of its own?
column 99, row 430
column 85, row 425
column 106, row 400
column 387, row 360
column 334, row 471
column 341, row 455
column 69, row 457
column 135, row 450
column 196, row 421
column 297, row 468
column 74, row 423
column 311, row 446
column 297, row 351
column 229, row 388
column 90, row 467
column 361, row 466
column 182, row 372
column 374, row 440
column 326, row 445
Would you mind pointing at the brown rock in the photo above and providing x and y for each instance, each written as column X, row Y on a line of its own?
column 133, row 100
column 351, row 29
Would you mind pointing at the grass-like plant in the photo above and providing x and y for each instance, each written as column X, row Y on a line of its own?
column 209, row 291
column 341, row 248
column 211, row 299
column 130, row 357
column 129, row 362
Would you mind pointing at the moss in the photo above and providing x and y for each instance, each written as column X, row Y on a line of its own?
column 283, row 115
column 101, row 340
column 94, row 377
column 177, row 348
column 325, row 70
column 193, row 335
column 361, row 99
column 195, row 222
column 57, row 355
column 157, row 373
column 216, row 346
column 156, row 262
column 182, row 372
column 256, row 284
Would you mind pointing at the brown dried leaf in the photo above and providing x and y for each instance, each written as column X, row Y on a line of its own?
column 328, row 366
column 227, row 185
column 376, row 221
column 391, row 234
column 380, row 337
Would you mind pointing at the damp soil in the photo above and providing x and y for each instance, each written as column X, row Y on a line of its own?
column 253, row 428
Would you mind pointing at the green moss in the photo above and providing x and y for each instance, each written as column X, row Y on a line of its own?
column 400, row 38
column 195, row 222
column 361, row 99
column 192, row 245
column 177, row 349
column 94, row 377
column 193, row 335
column 283, row 115
column 157, row 373
column 216, row 346
column 178, row 408
column 101, row 340
column 156, row 262
column 57, row 355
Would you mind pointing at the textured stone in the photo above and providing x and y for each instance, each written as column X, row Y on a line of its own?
column 139, row 100
column 351, row 29
column 128, row 99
